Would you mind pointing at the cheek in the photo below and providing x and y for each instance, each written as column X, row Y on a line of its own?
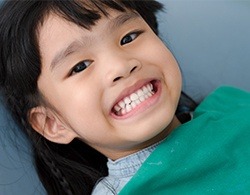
column 173, row 78
column 81, row 100
column 171, row 73
column 170, row 66
column 167, row 62
column 157, row 54
column 155, row 51
column 82, row 107
column 75, row 102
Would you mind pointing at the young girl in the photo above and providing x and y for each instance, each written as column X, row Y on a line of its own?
column 89, row 81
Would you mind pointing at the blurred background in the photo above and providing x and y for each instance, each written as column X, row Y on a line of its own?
column 211, row 41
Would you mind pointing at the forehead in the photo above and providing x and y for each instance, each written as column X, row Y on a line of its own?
column 54, row 22
column 57, row 24
column 59, row 37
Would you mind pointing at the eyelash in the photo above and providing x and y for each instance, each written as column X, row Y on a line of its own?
column 80, row 66
column 135, row 34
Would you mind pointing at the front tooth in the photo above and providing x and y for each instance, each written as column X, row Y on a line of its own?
column 127, row 100
column 134, row 96
column 122, row 104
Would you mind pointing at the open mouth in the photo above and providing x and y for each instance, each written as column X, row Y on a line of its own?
column 133, row 100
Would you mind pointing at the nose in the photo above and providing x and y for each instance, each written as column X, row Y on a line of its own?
column 125, row 71
column 120, row 68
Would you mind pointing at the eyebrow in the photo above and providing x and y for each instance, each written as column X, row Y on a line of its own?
column 71, row 48
column 123, row 18
column 75, row 45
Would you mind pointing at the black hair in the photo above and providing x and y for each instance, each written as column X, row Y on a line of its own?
column 63, row 169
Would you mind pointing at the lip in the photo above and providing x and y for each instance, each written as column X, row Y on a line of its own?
column 144, row 105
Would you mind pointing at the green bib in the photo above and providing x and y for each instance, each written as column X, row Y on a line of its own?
column 208, row 155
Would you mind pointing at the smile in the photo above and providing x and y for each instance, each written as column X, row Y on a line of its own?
column 133, row 100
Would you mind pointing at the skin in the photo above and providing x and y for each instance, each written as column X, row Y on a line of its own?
column 119, row 61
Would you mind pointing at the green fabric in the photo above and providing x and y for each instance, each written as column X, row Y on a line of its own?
column 208, row 155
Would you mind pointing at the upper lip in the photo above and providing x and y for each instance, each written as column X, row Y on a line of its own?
column 131, row 89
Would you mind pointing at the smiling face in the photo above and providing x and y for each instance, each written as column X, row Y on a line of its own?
column 115, row 86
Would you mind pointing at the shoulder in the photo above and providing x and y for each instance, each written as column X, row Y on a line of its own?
column 225, row 99
column 225, row 112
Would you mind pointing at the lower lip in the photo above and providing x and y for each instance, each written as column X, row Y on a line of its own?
column 148, row 103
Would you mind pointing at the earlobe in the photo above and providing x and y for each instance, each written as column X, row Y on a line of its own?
column 47, row 123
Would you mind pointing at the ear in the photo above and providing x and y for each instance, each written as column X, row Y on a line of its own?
column 48, row 124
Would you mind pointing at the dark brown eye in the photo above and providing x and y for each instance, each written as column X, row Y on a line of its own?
column 130, row 37
column 80, row 67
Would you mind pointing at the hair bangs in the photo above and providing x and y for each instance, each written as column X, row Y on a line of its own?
column 87, row 13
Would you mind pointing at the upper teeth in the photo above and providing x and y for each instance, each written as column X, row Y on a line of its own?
column 134, row 99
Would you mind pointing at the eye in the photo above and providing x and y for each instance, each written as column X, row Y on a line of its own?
column 130, row 37
column 80, row 66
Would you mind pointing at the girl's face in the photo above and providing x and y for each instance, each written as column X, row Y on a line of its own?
column 115, row 86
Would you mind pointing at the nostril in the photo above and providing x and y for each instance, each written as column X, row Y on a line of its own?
column 126, row 74
column 133, row 69
column 116, row 79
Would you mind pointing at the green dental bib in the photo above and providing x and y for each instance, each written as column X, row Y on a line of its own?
column 208, row 155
